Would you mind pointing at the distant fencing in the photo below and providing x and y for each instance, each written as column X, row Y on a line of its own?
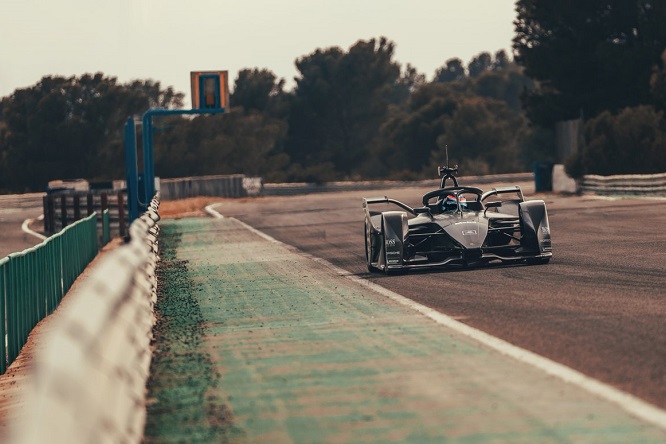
column 626, row 184
column 34, row 281
column 63, row 208
column 233, row 185
column 89, row 376
column 286, row 189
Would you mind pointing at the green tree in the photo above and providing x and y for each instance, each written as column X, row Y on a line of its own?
column 480, row 64
column 340, row 100
column 658, row 83
column 408, row 82
column 231, row 143
column 588, row 56
column 484, row 137
column 507, row 85
column 452, row 71
column 409, row 135
column 501, row 61
column 71, row 127
column 629, row 142
column 258, row 90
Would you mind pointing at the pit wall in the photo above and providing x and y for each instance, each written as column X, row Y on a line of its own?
column 89, row 375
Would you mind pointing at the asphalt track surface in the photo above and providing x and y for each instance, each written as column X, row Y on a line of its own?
column 598, row 307
column 14, row 209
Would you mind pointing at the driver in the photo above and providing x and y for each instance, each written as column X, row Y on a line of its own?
column 450, row 204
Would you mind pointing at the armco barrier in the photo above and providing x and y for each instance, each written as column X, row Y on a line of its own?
column 626, row 184
column 233, row 185
column 89, row 375
column 33, row 282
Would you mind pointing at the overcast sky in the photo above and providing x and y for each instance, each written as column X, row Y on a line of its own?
column 166, row 39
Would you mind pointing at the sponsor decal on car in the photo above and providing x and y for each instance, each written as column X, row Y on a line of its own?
column 469, row 233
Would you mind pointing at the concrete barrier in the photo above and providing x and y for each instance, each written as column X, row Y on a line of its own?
column 89, row 376
column 625, row 184
column 562, row 183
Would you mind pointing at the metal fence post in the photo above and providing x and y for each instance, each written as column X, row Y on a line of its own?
column 3, row 313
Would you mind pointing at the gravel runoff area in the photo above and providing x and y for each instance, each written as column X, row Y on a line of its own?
column 257, row 343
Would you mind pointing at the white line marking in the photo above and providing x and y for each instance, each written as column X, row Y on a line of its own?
column 627, row 402
column 26, row 228
column 209, row 209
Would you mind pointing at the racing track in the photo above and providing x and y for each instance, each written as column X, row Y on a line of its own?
column 599, row 306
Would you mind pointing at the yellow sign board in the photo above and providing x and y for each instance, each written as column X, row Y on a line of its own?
column 210, row 89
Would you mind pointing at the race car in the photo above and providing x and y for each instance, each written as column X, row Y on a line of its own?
column 457, row 226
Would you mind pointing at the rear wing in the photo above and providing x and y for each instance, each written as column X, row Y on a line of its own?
column 385, row 200
column 504, row 190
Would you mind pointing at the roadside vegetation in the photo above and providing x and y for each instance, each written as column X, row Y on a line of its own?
column 357, row 113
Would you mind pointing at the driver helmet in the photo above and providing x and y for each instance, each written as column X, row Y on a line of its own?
column 450, row 203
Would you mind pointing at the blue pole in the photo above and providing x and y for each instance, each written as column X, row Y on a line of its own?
column 130, row 171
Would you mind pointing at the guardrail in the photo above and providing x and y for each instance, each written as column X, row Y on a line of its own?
column 89, row 375
column 625, row 184
column 33, row 282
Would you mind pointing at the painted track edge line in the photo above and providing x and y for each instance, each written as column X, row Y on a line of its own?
column 25, row 227
column 629, row 403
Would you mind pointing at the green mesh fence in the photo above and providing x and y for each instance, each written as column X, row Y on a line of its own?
column 106, row 228
column 34, row 281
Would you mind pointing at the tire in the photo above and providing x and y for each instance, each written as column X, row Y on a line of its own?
column 371, row 268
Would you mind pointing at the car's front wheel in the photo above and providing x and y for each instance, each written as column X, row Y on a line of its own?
column 368, row 250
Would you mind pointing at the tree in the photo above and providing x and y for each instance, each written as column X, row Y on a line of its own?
column 408, row 82
column 501, row 61
column 340, row 100
column 588, row 57
column 453, row 71
column 484, row 137
column 480, row 64
column 231, row 143
column 631, row 141
column 257, row 90
column 658, row 83
column 71, row 127
column 507, row 85
column 408, row 137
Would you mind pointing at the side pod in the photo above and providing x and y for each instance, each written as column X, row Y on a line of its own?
column 535, row 227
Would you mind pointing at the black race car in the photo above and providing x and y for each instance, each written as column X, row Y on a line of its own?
column 456, row 226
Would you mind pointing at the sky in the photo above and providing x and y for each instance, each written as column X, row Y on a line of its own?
column 166, row 39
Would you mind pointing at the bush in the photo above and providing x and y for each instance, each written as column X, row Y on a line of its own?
column 631, row 142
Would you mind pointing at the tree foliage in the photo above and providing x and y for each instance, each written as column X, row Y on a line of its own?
column 630, row 141
column 71, row 127
column 588, row 57
column 353, row 113
column 339, row 102
column 453, row 71
column 258, row 90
